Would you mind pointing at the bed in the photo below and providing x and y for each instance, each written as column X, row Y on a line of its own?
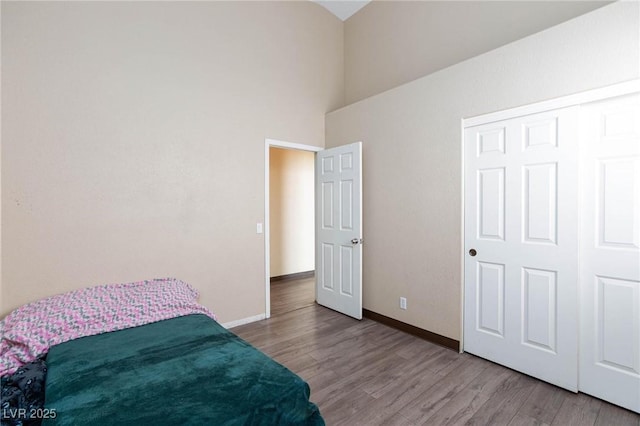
column 167, row 369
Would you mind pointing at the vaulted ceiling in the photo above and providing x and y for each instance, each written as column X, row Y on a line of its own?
column 343, row 9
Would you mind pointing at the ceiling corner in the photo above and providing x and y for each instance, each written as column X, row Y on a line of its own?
column 343, row 9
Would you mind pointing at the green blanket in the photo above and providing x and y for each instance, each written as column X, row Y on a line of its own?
column 183, row 371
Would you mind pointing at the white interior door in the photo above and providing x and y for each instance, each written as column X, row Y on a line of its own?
column 610, row 250
column 339, row 229
column 521, row 195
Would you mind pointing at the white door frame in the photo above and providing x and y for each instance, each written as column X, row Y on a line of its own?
column 592, row 95
column 274, row 143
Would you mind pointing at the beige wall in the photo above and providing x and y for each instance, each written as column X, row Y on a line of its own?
column 389, row 43
column 291, row 211
column 412, row 152
column 133, row 139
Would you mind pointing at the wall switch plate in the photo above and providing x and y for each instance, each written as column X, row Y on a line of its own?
column 259, row 228
column 403, row 303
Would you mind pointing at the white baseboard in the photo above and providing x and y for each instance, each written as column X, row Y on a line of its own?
column 244, row 321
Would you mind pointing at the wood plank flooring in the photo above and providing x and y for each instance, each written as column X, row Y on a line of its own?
column 365, row 373
column 289, row 295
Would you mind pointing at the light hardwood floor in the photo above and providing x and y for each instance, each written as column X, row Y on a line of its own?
column 365, row 373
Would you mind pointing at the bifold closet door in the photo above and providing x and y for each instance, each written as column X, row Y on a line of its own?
column 610, row 251
column 521, row 246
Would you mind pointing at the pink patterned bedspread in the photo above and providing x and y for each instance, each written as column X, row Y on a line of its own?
column 32, row 329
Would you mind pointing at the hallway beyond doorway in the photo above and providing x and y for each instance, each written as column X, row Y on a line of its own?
column 291, row 294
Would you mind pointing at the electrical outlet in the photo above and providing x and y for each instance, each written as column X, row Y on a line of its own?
column 403, row 303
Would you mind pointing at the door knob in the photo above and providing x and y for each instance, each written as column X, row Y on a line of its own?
column 356, row 241
column 473, row 252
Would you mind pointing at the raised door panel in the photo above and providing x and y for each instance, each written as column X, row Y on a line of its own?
column 617, row 312
column 326, row 266
column 491, row 142
column 540, row 203
column 491, row 204
column 539, row 305
column 346, row 205
column 490, row 301
column 618, row 203
column 540, row 134
column 346, row 271
column 326, row 204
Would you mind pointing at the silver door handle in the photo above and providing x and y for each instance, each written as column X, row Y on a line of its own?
column 356, row 241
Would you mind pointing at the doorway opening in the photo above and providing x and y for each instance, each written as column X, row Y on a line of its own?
column 292, row 293
column 289, row 226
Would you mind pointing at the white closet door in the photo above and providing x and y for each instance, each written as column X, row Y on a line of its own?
column 610, row 251
column 520, row 218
